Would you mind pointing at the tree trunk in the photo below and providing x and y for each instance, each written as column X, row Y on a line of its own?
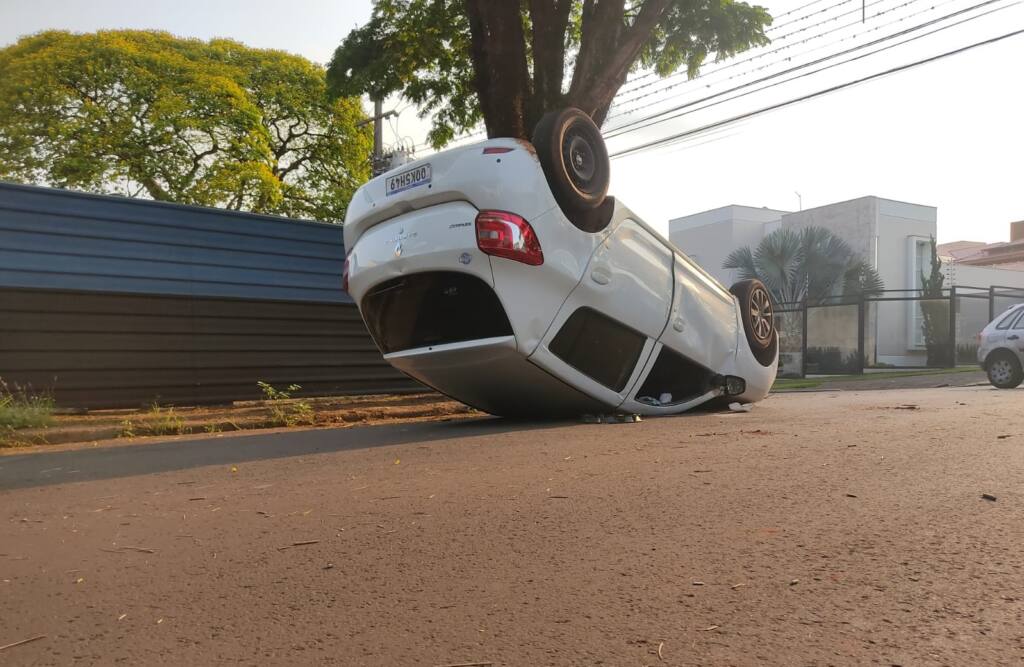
column 511, row 102
column 608, row 48
column 549, row 20
column 499, row 60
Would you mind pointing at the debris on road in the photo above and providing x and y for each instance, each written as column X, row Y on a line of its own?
column 698, row 583
column 710, row 628
column 907, row 406
column 794, row 582
column 735, row 586
column 661, row 646
column 1004, row 437
column 23, row 641
column 851, row 495
column 298, row 544
column 468, row 664
column 988, row 496
column 741, row 407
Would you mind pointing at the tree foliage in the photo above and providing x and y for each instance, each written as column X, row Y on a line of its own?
column 811, row 264
column 935, row 313
column 508, row 62
column 211, row 123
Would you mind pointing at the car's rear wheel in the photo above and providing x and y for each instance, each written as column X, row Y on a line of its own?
column 1004, row 370
column 572, row 152
column 758, row 317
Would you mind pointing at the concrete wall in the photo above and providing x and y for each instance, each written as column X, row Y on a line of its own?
column 710, row 236
column 883, row 232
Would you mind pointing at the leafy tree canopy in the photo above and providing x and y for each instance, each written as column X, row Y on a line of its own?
column 507, row 62
column 811, row 263
column 211, row 123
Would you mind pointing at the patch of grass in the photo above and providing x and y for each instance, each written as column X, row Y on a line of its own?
column 789, row 384
column 159, row 420
column 786, row 384
column 20, row 408
column 284, row 411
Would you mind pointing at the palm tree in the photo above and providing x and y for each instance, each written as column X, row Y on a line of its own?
column 811, row 264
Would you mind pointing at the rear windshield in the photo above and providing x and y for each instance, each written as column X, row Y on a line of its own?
column 434, row 308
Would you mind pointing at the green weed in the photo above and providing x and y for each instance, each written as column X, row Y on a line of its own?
column 284, row 411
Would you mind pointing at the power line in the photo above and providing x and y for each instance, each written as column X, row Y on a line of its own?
column 663, row 116
column 796, row 9
column 633, row 106
column 770, row 30
column 736, row 62
column 779, row 26
column 803, row 98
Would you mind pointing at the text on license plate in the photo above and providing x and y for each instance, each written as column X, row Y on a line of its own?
column 408, row 179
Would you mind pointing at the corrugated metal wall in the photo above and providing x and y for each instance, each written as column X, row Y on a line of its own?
column 108, row 301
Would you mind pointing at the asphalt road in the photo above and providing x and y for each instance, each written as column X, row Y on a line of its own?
column 826, row 528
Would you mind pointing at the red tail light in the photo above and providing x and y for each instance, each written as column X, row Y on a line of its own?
column 497, row 150
column 507, row 235
column 344, row 276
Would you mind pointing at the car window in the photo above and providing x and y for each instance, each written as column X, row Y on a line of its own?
column 1019, row 324
column 1008, row 320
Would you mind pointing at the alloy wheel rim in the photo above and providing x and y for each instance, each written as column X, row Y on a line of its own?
column 761, row 314
column 579, row 157
column 1000, row 371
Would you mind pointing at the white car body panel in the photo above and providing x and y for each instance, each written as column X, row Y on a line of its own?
column 1011, row 337
column 626, row 272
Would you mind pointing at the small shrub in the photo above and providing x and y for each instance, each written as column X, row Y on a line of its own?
column 832, row 360
column 20, row 408
column 158, row 420
column 283, row 410
column 967, row 353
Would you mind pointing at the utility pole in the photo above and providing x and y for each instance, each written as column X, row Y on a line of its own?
column 378, row 132
column 377, row 159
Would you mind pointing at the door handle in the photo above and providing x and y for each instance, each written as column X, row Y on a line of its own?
column 1013, row 337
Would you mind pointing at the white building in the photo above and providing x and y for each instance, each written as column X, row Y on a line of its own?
column 892, row 236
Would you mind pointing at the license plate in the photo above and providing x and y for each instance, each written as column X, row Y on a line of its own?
column 408, row 179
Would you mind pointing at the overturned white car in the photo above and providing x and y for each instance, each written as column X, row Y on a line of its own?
column 503, row 276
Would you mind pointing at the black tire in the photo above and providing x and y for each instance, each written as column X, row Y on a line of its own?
column 757, row 314
column 1003, row 370
column 572, row 152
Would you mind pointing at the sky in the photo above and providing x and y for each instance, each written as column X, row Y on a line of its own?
column 948, row 134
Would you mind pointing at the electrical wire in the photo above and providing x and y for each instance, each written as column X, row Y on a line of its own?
column 803, row 98
column 768, row 31
column 620, row 111
column 664, row 115
column 716, row 68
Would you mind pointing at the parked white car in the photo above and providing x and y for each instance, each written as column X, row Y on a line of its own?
column 502, row 275
column 1001, row 348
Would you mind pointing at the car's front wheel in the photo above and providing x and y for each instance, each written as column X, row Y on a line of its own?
column 758, row 317
column 1004, row 371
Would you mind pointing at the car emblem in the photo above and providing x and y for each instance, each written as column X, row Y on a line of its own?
column 465, row 258
column 398, row 249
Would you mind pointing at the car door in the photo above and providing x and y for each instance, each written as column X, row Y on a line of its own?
column 605, row 330
column 702, row 325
